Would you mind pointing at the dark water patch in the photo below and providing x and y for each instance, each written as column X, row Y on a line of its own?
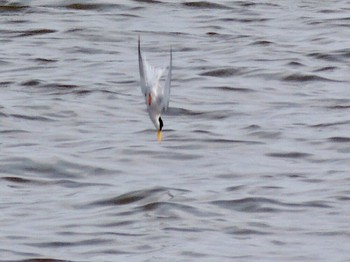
column 85, row 50
column 17, row 21
column 266, row 134
column 335, row 56
column 289, row 155
column 173, row 111
column 217, row 115
column 328, row 11
column 17, row 180
column 81, row 6
column 37, row 32
column 13, row 131
column 243, row 20
column 251, row 3
column 322, row 56
column 339, row 139
column 230, row 88
column 316, row 204
column 280, row 105
column 135, row 196
column 45, row 60
column 3, row 115
column 3, row 62
column 295, row 64
column 193, row 254
column 186, row 229
column 250, row 204
column 148, row 1
column 244, row 231
column 91, row 6
column 62, row 182
column 62, row 244
column 58, row 169
column 125, row 82
column 168, row 208
column 200, row 131
column 227, row 72
column 120, row 224
column 339, row 107
column 41, row 260
column 6, row 83
column 32, row 82
column 340, row 123
column 293, row 175
column 326, row 68
column 234, row 188
column 262, row 43
column 205, row 5
column 232, row 141
column 312, row 180
column 129, row 15
column 74, row 30
column 253, row 127
column 340, row 22
column 304, row 78
column 343, row 198
column 186, row 49
column 259, row 204
column 60, row 86
column 83, row 92
column 24, row 145
column 12, row 7
column 68, row 183
column 328, row 233
column 32, row 118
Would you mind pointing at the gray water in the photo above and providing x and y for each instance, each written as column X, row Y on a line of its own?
column 255, row 159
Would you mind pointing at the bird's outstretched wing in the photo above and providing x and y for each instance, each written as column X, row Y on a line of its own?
column 143, row 84
column 166, row 89
column 149, row 75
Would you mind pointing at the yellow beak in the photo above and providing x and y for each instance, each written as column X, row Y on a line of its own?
column 159, row 136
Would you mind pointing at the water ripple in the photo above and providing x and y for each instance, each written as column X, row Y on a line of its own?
column 290, row 155
column 13, row 8
column 304, row 78
column 140, row 195
column 258, row 204
column 227, row 72
column 36, row 32
column 205, row 5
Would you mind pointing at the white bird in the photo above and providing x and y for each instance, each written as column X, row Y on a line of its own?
column 156, row 94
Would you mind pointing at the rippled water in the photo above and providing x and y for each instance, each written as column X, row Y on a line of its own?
column 255, row 159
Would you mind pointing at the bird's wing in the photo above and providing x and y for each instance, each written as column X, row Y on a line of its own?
column 166, row 89
column 143, row 84
column 149, row 75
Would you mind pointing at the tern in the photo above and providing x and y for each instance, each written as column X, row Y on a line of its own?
column 156, row 93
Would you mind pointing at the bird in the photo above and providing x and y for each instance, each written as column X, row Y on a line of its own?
column 156, row 93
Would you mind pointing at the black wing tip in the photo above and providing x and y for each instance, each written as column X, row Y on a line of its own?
column 139, row 47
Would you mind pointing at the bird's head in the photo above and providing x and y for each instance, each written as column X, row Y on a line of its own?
column 158, row 123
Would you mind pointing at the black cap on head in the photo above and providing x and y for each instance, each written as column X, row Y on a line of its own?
column 160, row 124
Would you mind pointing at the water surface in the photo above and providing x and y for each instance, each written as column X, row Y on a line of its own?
column 254, row 163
